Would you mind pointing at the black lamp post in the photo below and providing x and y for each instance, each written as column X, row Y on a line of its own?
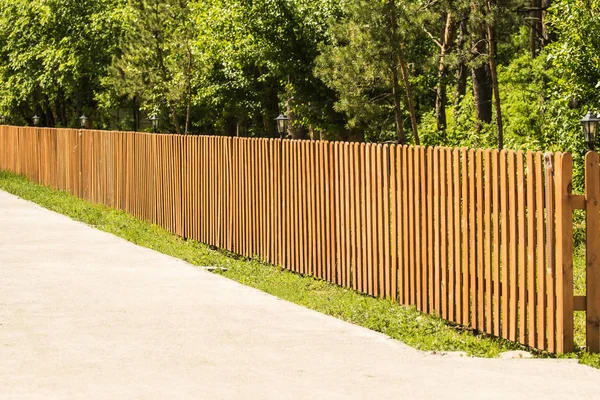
column 3, row 119
column 84, row 121
column 282, row 124
column 154, row 118
column 589, row 124
column 36, row 120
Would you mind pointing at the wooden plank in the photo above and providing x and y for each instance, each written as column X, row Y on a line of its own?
column 420, row 245
column 522, row 249
column 322, row 211
column 405, row 244
column 480, row 238
column 473, row 247
column 394, row 222
column 380, row 237
column 513, row 239
column 453, row 161
column 540, row 252
column 354, row 216
column 373, row 271
column 564, row 254
column 550, row 256
column 339, row 222
column 301, row 174
column 463, row 279
column 368, row 181
column 592, row 304
column 580, row 304
column 313, row 220
column 386, row 289
column 443, row 231
column 427, row 194
column 332, row 237
column 488, row 199
column 365, row 217
column 505, row 212
column 531, row 237
column 436, row 278
column 411, row 236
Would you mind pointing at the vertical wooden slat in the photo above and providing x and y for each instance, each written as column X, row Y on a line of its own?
column 425, row 251
column 541, row 252
column 365, row 217
column 460, row 260
column 387, row 288
column 466, row 245
column 592, row 197
column 394, row 222
column 419, row 211
column 431, row 278
column 355, row 213
column 550, row 254
column 380, row 236
column 488, row 201
column 373, row 271
column 522, row 249
column 411, row 236
column 452, row 160
column 473, row 247
column 513, row 239
column 564, row 254
column 531, row 237
column 443, row 233
column 332, row 237
column 339, row 223
column 479, row 236
column 504, row 189
column 406, row 224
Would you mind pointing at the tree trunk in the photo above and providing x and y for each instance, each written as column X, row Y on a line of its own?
column 480, row 72
column 493, row 72
column 441, row 95
column 535, row 30
column 174, row 118
column 461, row 71
column 397, row 107
column 547, row 36
column 409, row 98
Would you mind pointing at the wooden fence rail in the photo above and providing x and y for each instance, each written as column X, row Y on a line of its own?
column 482, row 238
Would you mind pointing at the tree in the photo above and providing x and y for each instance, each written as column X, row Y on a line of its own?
column 53, row 56
column 367, row 65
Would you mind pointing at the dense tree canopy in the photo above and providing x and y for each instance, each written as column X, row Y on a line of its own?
column 516, row 73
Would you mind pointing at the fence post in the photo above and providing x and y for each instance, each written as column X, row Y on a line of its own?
column 564, row 253
column 592, row 204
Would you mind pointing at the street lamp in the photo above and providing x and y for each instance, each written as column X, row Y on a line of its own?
column 282, row 124
column 589, row 124
column 36, row 120
column 84, row 120
column 2, row 119
column 154, row 118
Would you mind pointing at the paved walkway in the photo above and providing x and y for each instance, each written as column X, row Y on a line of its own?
column 86, row 315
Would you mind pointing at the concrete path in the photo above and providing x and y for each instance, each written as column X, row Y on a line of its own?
column 86, row 315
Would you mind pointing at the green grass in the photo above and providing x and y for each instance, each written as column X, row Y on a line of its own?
column 424, row 332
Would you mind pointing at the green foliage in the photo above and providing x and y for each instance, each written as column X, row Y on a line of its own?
column 53, row 54
column 230, row 67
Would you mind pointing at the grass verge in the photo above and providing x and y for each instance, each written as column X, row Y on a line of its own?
column 421, row 331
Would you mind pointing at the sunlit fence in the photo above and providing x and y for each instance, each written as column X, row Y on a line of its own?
column 480, row 237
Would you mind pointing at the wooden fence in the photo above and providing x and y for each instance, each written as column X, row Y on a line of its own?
column 480, row 237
